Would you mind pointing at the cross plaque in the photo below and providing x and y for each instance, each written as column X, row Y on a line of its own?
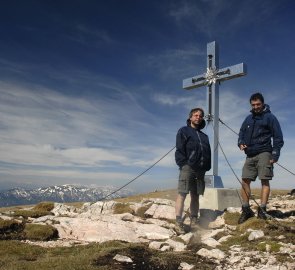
column 212, row 79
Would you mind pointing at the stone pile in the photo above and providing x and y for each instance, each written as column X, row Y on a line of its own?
column 99, row 222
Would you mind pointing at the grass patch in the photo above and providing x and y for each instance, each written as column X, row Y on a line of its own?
column 231, row 218
column 44, row 206
column 272, row 246
column 236, row 239
column 15, row 255
column 39, row 232
column 140, row 211
column 31, row 213
column 162, row 194
column 252, row 223
column 121, row 208
column 10, row 229
column 145, row 258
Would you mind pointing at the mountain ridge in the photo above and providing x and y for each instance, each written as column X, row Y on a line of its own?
column 61, row 193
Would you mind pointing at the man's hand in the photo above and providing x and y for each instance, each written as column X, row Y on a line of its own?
column 243, row 146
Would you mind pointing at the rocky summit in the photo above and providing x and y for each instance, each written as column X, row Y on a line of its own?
column 255, row 244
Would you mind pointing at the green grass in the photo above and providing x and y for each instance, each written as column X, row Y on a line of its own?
column 15, row 256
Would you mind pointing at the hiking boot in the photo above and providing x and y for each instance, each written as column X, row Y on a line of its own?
column 195, row 224
column 262, row 213
column 246, row 214
column 179, row 228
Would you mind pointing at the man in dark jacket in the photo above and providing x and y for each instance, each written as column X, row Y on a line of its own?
column 256, row 133
column 193, row 156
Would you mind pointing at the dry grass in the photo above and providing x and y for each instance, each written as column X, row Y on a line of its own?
column 37, row 232
column 162, row 194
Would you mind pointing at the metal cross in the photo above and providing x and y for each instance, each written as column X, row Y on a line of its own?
column 212, row 79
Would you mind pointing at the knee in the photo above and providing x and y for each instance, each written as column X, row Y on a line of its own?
column 246, row 183
column 265, row 183
column 181, row 195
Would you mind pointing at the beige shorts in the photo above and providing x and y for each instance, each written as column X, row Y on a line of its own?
column 258, row 165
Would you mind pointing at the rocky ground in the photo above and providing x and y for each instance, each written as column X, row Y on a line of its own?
column 256, row 244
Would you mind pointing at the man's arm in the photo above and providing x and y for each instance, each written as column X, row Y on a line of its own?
column 278, row 140
column 241, row 141
column 180, row 153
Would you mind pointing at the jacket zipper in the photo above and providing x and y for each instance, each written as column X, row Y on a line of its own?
column 252, row 131
column 201, row 145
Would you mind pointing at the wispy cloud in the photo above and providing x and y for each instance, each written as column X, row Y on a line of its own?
column 217, row 17
column 173, row 63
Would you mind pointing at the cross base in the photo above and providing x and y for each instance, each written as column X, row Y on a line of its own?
column 213, row 181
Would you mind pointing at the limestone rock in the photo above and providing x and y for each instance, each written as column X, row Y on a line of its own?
column 122, row 258
column 211, row 242
column 176, row 246
column 161, row 212
column 185, row 266
column 255, row 235
column 213, row 253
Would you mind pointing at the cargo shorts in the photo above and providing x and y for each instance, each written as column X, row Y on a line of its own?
column 191, row 180
column 258, row 165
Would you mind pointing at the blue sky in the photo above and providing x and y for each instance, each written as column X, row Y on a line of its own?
column 91, row 91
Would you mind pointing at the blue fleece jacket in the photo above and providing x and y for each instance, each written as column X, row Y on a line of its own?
column 193, row 148
column 257, row 131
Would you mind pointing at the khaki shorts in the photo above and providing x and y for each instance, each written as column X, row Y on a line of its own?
column 258, row 165
column 191, row 180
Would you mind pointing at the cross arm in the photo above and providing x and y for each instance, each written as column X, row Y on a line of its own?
column 194, row 82
column 232, row 72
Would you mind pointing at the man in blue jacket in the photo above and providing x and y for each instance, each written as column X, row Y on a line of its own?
column 256, row 133
column 193, row 156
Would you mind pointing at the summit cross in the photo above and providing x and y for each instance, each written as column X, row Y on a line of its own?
column 212, row 79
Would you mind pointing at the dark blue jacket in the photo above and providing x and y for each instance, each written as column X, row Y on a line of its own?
column 256, row 132
column 193, row 148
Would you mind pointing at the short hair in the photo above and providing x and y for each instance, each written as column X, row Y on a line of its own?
column 257, row 96
column 196, row 110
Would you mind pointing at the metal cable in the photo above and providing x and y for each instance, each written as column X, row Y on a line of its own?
column 238, row 135
column 108, row 195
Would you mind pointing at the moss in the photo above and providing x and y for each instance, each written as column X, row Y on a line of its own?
column 9, row 229
column 273, row 246
column 140, row 211
column 237, row 239
column 39, row 232
column 121, row 208
column 231, row 218
column 44, row 206
column 252, row 223
column 31, row 213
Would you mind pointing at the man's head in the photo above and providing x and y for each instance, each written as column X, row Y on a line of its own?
column 257, row 102
column 196, row 117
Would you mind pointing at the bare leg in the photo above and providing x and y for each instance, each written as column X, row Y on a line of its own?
column 179, row 204
column 265, row 190
column 194, row 206
column 246, row 190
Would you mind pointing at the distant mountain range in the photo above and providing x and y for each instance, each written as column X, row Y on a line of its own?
column 63, row 193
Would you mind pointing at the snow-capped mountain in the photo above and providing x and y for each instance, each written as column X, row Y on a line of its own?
column 63, row 193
